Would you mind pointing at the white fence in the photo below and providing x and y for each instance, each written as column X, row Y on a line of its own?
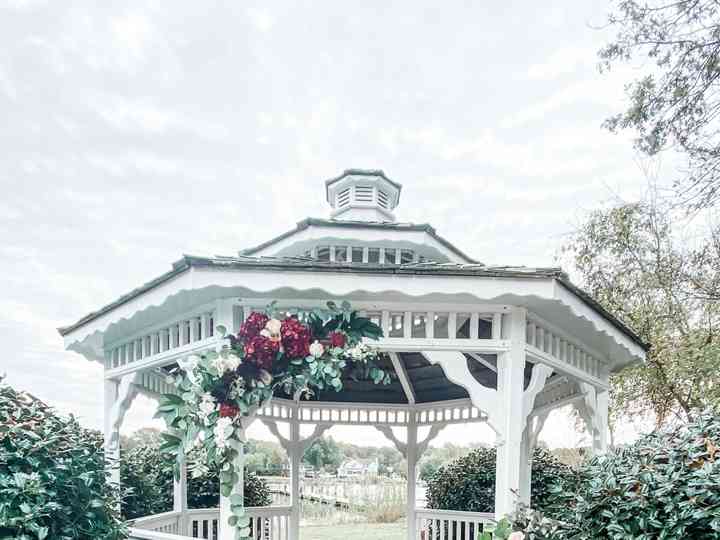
column 451, row 525
column 266, row 523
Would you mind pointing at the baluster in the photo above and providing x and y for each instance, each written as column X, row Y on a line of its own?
column 474, row 323
column 452, row 325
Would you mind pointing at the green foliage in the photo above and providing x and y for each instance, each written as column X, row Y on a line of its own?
column 468, row 483
column 674, row 100
column 633, row 261
column 148, row 475
column 667, row 485
column 323, row 453
column 53, row 483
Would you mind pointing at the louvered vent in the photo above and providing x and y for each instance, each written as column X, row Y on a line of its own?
column 343, row 198
column 383, row 199
column 363, row 193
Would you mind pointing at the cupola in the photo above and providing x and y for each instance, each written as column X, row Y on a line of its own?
column 363, row 195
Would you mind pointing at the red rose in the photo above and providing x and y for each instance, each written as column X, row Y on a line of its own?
column 337, row 339
column 261, row 351
column 295, row 338
column 252, row 325
column 228, row 410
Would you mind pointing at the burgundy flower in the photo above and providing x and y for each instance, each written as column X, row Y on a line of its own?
column 227, row 410
column 252, row 325
column 337, row 339
column 295, row 338
column 261, row 351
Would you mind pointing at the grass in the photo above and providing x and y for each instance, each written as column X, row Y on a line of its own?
column 357, row 531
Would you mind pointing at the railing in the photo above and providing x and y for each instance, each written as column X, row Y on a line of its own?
column 266, row 523
column 451, row 525
column 167, row 522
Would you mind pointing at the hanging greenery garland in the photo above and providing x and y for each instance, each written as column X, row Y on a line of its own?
column 301, row 352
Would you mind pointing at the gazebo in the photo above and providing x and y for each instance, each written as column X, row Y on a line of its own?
column 465, row 343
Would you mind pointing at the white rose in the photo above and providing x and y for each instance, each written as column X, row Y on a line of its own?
column 273, row 326
column 317, row 349
column 207, row 405
column 232, row 362
column 220, row 431
column 357, row 352
column 265, row 333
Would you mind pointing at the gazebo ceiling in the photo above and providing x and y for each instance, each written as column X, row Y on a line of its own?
column 429, row 383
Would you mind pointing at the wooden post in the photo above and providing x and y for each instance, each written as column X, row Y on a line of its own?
column 511, row 418
column 180, row 499
column 412, row 459
column 111, row 431
column 295, row 450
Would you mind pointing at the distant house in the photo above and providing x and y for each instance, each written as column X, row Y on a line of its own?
column 353, row 468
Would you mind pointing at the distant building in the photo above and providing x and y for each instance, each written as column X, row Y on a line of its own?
column 353, row 468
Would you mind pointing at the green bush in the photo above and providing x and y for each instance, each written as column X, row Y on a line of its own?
column 468, row 483
column 147, row 474
column 52, row 475
column 666, row 485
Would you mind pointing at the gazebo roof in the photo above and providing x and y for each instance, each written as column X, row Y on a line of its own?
column 294, row 264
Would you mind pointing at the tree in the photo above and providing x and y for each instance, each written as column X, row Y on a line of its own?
column 666, row 485
column 633, row 261
column 323, row 453
column 147, row 474
column 468, row 483
column 676, row 102
column 53, row 483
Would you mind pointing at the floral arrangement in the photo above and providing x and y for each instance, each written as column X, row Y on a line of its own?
column 300, row 352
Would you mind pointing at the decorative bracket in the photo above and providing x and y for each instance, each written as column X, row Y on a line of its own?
column 402, row 447
column 455, row 366
column 593, row 409
column 300, row 445
column 128, row 389
column 540, row 374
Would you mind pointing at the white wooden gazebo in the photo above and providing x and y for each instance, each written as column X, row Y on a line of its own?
column 466, row 342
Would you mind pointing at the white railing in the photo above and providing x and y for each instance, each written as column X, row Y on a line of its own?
column 266, row 523
column 179, row 335
column 433, row 524
column 167, row 522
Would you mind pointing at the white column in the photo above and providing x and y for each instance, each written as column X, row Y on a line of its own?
column 511, row 417
column 111, row 431
column 180, row 497
column 600, row 443
column 225, row 531
column 295, row 450
column 412, row 459
column 525, row 466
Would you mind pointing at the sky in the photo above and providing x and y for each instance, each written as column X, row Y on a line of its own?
column 134, row 132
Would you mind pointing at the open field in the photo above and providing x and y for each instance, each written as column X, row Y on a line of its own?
column 355, row 531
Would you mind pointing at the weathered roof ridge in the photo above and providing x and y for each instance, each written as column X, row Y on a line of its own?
column 306, row 263
column 310, row 221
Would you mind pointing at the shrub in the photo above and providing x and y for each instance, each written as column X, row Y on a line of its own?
column 52, row 475
column 468, row 483
column 148, row 475
column 666, row 485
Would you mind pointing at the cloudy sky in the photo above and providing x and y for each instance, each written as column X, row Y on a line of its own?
column 133, row 132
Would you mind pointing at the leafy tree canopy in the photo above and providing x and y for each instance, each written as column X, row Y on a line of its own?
column 633, row 259
column 53, row 483
column 676, row 101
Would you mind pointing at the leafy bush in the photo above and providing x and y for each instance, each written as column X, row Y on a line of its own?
column 468, row 483
column 148, row 473
column 666, row 485
column 52, row 475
